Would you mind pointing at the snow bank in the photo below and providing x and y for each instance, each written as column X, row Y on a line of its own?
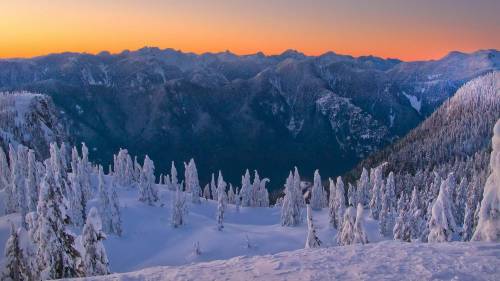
column 389, row 260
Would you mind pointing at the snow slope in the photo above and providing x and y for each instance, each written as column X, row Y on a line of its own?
column 149, row 239
column 388, row 260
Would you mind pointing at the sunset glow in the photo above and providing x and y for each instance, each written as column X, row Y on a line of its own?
column 409, row 30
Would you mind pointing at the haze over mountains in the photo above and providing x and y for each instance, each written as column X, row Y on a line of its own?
column 234, row 112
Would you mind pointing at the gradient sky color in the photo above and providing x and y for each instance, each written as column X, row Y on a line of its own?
column 405, row 29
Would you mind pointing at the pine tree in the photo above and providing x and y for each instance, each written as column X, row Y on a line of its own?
column 31, row 182
column 231, row 195
column 56, row 254
column 360, row 236
column 332, row 201
column 416, row 216
column 439, row 225
column 95, row 259
column 387, row 211
column 488, row 227
column 339, row 201
column 19, row 189
column 16, row 268
column 213, row 188
column 263, row 199
column 174, row 182
column 363, row 188
column 116, row 220
column 317, row 196
column 206, row 192
column 178, row 208
column 221, row 204
column 192, row 182
column 351, row 195
column 147, row 189
column 254, row 195
column 10, row 197
column 345, row 234
column 401, row 230
column 78, row 200
column 245, row 191
column 312, row 240
column 377, row 185
column 290, row 211
column 460, row 199
column 104, row 203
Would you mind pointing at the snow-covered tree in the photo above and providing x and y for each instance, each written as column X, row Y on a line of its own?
column 206, row 191
column 312, row 240
column 339, row 202
column 95, row 259
column 460, row 198
column 231, row 195
column 291, row 211
column 360, row 236
column 115, row 213
column 221, row 201
column 178, row 208
column 192, row 182
column 147, row 189
column 4, row 170
column 377, row 183
column 351, row 195
column 346, row 233
column 416, row 217
column 332, row 201
column 10, row 197
column 263, row 194
column 174, row 182
column 254, row 195
column 56, row 254
column 363, row 188
column 401, row 230
column 439, row 223
column 16, row 267
column 104, row 202
column 318, row 193
column 488, row 227
column 19, row 188
column 387, row 211
column 246, row 190
column 32, row 182
column 78, row 200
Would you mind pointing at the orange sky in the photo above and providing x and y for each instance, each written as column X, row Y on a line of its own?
column 406, row 29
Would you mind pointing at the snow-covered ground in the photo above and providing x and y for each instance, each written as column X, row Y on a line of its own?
column 387, row 260
column 150, row 240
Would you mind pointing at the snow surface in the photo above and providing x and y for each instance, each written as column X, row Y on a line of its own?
column 149, row 239
column 414, row 101
column 388, row 260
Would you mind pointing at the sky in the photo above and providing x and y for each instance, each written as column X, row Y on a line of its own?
column 404, row 29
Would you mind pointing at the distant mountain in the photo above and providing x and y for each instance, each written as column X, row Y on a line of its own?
column 233, row 112
column 456, row 137
column 30, row 119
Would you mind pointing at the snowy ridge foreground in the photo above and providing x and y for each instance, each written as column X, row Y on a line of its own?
column 389, row 260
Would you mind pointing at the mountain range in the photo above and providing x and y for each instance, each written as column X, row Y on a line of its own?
column 233, row 112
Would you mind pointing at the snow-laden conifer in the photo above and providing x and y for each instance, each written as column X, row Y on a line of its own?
column 95, row 259
column 488, row 227
column 360, row 236
column 339, row 202
column 345, row 234
column 147, row 189
column 312, row 240
column 317, row 193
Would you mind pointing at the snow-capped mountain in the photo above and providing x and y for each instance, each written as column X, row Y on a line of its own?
column 30, row 119
column 234, row 112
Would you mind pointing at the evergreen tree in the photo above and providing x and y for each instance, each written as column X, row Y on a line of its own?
column 78, row 200
column 95, row 259
column 401, row 230
column 488, row 227
column 16, row 268
column 312, row 240
column 10, row 197
column 339, row 202
column 377, row 186
column 246, row 190
column 221, row 202
column 147, row 189
column 387, row 211
column 104, row 202
column 254, row 195
column 32, row 182
column 213, row 188
column 178, row 208
column 351, row 195
column 332, row 201
column 439, row 225
column 56, row 254
column 174, row 182
column 19, row 189
column 460, row 199
column 290, row 211
column 230, row 195
column 346, row 234
column 363, row 188
column 4, row 170
column 206, row 191
column 192, row 182
column 263, row 199
column 116, row 220
column 416, row 216
column 317, row 194
column 360, row 236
